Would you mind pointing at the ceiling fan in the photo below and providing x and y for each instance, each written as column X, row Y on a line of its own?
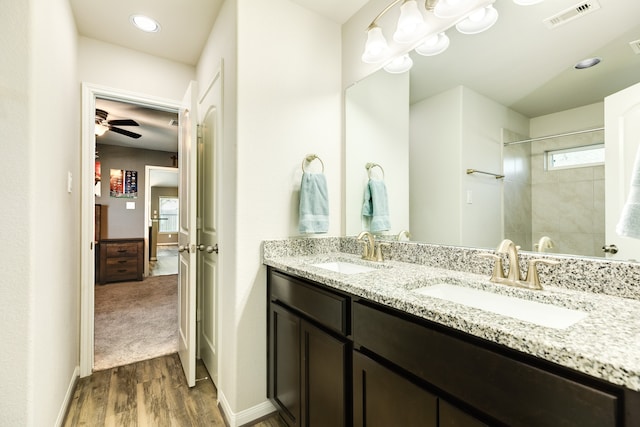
column 103, row 125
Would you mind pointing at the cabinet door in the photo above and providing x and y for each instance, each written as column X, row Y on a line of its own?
column 323, row 378
column 450, row 416
column 382, row 398
column 285, row 363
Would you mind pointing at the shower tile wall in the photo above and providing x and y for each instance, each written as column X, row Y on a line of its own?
column 517, row 191
column 568, row 204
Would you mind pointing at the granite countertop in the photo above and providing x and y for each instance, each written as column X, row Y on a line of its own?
column 606, row 344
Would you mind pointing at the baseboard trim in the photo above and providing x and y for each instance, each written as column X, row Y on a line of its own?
column 64, row 409
column 245, row 417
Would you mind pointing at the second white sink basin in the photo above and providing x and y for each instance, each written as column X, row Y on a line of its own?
column 542, row 314
column 344, row 267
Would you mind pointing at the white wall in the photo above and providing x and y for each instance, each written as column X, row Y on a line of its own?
column 16, row 278
column 451, row 132
column 586, row 117
column 377, row 130
column 289, row 105
column 222, row 46
column 435, row 150
column 40, row 280
column 126, row 69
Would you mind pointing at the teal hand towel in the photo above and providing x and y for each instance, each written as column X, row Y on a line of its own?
column 376, row 206
column 314, row 204
column 629, row 223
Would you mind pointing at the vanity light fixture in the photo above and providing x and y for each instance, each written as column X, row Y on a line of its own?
column 587, row 63
column 422, row 27
column 145, row 23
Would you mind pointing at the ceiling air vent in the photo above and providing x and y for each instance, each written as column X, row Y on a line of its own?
column 635, row 45
column 578, row 11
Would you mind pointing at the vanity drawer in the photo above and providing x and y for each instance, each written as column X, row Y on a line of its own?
column 504, row 387
column 328, row 308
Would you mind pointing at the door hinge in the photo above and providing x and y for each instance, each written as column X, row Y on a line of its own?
column 199, row 133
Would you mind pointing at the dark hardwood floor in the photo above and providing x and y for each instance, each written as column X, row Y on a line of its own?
column 148, row 393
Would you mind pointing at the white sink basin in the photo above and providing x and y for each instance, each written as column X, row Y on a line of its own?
column 535, row 312
column 344, row 267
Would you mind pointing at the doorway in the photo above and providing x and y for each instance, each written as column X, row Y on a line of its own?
column 134, row 311
column 90, row 95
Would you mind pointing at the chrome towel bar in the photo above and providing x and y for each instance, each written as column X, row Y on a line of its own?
column 497, row 176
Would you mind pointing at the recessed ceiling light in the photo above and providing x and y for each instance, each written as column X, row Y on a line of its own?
column 587, row 63
column 145, row 23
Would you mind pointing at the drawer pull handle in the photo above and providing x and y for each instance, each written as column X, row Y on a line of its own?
column 122, row 270
column 122, row 261
column 122, row 250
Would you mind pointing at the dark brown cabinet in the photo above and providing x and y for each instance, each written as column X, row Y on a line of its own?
column 309, row 357
column 382, row 398
column 503, row 387
column 335, row 359
column 121, row 259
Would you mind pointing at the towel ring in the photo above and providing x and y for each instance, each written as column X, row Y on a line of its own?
column 370, row 166
column 310, row 158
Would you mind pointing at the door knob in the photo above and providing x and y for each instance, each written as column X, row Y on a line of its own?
column 210, row 249
column 612, row 249
column 183, row 248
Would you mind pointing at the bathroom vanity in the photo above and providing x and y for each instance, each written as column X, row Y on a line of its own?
column 365, row 349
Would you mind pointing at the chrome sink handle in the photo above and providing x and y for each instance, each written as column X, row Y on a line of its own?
column 533, row 280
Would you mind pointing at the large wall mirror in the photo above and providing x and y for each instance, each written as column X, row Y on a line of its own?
column 472, row 106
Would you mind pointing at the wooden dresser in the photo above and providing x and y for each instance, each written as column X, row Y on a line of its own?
column 121, row 259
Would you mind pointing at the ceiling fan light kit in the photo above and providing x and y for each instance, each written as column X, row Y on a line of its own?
column 423, row 29
column 103, row 125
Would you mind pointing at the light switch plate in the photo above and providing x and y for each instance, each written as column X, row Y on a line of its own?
column 131, row 205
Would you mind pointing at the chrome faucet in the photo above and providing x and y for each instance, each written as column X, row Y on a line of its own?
column 369, row 251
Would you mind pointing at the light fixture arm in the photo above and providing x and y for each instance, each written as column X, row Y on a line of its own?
column 374, row 23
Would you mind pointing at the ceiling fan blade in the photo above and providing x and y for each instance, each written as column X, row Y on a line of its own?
column 123, row 122
column 125, row 132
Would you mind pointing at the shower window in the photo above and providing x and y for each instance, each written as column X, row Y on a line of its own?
column 577, row 157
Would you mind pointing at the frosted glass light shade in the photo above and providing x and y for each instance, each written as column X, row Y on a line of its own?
column 376, row 48
column 449, row 8
column 411, row 23
column 433, row 45
column 527, row 2
column 399, row 65
column 478, row 21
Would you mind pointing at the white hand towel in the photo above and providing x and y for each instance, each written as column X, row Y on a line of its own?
column 629, row 223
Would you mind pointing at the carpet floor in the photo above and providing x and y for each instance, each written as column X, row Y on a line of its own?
column 135, row 321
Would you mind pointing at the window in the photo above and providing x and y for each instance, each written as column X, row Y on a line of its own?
column 588, row 155
column 168, row 215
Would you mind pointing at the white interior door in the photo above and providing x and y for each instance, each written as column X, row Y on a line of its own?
column 622, row 139
column 187, row 191
column 209, row 109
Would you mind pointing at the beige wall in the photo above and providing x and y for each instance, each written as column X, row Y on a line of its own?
column 121, row 222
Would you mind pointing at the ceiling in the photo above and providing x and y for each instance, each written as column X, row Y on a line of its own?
column 524, row 65
column 519, row 62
